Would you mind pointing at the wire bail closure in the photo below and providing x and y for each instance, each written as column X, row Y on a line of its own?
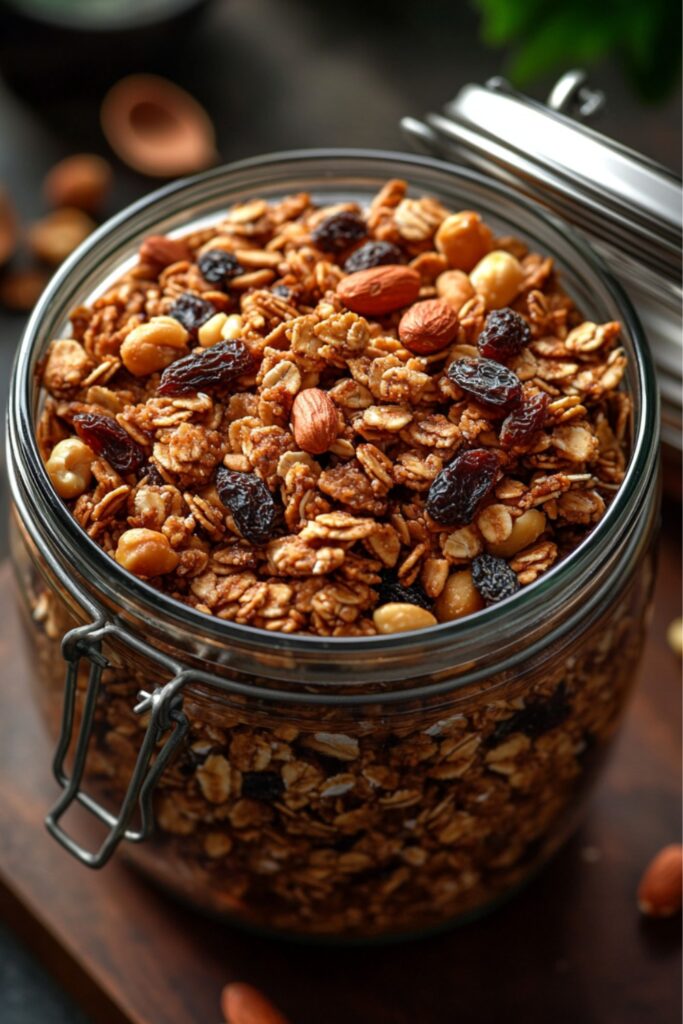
column 165, row 705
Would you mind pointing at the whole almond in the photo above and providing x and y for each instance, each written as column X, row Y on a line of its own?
column 244, row 1004
column 428, row 326
column 379, row 289
column 161, row 251
column 315, row 423
column 660, row 892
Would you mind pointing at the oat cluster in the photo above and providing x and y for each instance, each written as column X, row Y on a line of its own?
column 259, row 418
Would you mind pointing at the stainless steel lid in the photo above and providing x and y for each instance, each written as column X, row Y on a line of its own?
column 628, row 206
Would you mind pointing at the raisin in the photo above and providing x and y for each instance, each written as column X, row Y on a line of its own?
column 519, row 427
column 262, row 786
column 253, row 507
column 151, row 472
column 505, row 334
column 338, row 231
column 488, row 382
column 110, row 441
column 191, row 310
column 218, row 267
column 457, row 492
column 283, row 290
column 373, row 254
column 493, row 578
column 207, row 369
column 391, row 590
column 536, row 718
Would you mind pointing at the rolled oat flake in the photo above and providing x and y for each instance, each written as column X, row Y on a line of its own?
column 626, row 205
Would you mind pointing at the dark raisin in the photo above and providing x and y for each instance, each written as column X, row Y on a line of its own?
column 536, row 718
column 391, row 590
column 493, row 578
column 218, row 266
column 457, row 492
column 488, row 382
column 154, row 477
column 111, row 441
column 518, row 429
column 505, row 334
column 191, row 310
column 373, row 254
column 262, row 786
column 338, row 231
column 207, row 369
column 253, row 507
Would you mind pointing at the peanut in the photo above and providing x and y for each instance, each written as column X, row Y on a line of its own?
column 210, row 333
column 497, row 278
column 455, row 287
column 463, row 238
column 146, row 553
column 70, row 467
column 152, row 346
column 525, row 531
column 397, row 617
column 458, row 598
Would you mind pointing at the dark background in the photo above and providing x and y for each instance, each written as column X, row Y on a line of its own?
column 273, row 74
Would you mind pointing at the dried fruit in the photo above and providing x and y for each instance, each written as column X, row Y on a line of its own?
column 207, row 370
column 493, row 578
column 218, row 266
column 315, row 421
column 373, row 254
column 161, row 251
column 106, row 438
column 391, row 591
column 251, row 504
column 428, row 326
column 661, row 888
column 505, row 334
column 262, row 785
column 244, row 1004
column 457, row 492
column 535, row 718
column 524, row 421
column 380, row 289
column 191, row 310
column 82, row 180
column 488, row 382
column 338, row 231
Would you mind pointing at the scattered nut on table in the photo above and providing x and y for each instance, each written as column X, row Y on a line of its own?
column 82, row 181
column 660, row 892
column 55, row 236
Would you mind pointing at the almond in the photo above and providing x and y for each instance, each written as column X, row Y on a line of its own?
column 379, row 289
column 244, row 1004
column 428, row 326
column 162, row 251
column 82, row 180
column 315, row 423
column 660, row 892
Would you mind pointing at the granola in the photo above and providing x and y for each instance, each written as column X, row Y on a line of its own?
column 338, row 359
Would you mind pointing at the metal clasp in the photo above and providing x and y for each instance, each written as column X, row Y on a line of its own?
column 165, row 704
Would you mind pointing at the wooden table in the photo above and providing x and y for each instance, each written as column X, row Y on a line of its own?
column 572, row 949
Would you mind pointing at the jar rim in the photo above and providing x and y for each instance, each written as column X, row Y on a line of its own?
column 26, row 468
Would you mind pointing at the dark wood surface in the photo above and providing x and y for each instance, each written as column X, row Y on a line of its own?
column 571, row 949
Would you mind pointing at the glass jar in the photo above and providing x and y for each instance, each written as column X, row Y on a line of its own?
column 341, row 787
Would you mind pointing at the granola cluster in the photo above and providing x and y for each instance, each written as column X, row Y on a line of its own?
column 258, row 418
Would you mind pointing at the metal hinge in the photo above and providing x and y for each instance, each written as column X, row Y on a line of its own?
column 165, row 705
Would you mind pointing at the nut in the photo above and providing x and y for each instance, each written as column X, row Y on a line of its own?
column 379, row 289
column 161, row 251
column 70, row 467
column 56, row 236
column 455, row 287
column 525, row 530
column 661, row 888
column 244, row 1004
column 152, row 346
column 400, row 617
column 146, row 553
column 315, row 422
column 497, row 278
column 458, row 598
column 82, row 180
column 211, row 332
column 8, row 228
column 463, row 238
column 21, row 289
column 428, row 326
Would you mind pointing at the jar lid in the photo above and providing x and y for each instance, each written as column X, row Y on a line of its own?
column 617, row 197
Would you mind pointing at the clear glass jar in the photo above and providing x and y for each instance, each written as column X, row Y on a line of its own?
column 340, row 787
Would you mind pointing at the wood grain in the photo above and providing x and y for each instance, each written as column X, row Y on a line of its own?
column 571, row 949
